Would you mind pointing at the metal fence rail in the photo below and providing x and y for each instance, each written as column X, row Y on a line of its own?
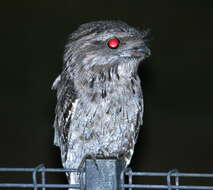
column 110, row 175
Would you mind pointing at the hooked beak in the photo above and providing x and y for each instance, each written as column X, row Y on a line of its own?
column 139, row 51
column 142, row 51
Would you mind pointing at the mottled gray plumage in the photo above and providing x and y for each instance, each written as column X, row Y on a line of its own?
column 99, row 98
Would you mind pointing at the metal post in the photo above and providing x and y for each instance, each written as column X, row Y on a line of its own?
column 103, row 174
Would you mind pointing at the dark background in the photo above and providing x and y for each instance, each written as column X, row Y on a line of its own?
column 177, row 79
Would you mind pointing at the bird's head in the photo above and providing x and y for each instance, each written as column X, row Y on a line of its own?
column 103, row 44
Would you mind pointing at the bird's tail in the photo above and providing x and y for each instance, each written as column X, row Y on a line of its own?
column 73, row 179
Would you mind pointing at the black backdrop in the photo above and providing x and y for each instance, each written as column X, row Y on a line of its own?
column 177, row 79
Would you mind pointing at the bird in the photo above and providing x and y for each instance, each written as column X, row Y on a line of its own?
column 99, row 107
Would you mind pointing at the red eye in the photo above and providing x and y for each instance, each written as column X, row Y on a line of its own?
column 113, row 43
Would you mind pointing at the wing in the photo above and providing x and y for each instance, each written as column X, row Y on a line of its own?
column 65, row 107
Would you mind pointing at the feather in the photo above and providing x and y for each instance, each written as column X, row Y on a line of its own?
column 56, row 82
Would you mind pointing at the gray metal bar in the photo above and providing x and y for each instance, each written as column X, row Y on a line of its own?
column 43, row 179
column 166, row 187
column 125, row 186
column 164, row 174
column 205, row 175
column 130, row 179
column 168, row 179
column 42, row 169
column 21, row 185
column 34, row 177
column 103, row 174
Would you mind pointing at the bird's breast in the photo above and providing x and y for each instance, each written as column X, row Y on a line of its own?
column 107, row 118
